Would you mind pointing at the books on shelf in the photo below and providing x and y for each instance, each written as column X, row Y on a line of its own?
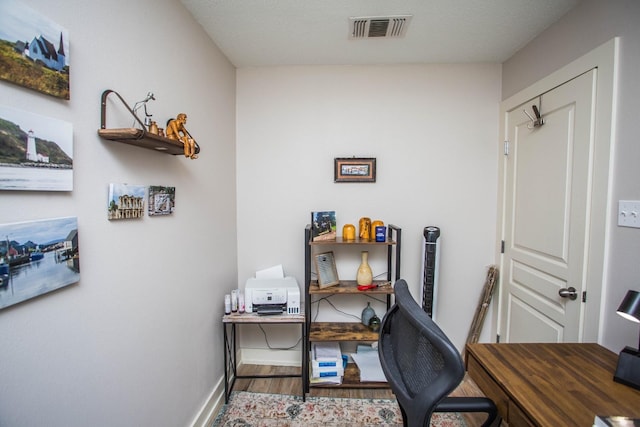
column 326, row 363
column 337, row 380
column 326, row 352
column 331, row 371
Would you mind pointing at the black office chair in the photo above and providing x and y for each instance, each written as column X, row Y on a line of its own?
column 422, row 366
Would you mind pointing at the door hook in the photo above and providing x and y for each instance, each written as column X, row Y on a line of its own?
column 537, row 121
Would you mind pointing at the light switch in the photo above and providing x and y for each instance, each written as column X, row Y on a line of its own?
column 629, row 213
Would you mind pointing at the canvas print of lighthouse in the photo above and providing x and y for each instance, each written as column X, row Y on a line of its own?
column 34, row 50
column 36, row 152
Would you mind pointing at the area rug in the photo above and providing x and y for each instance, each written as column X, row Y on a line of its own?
column 246, row 409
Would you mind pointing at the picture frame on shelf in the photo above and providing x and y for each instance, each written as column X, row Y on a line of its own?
column 354, row 169
column 323, row 226
column 326, row 269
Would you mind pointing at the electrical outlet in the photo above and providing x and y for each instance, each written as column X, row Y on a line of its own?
column 629, row 213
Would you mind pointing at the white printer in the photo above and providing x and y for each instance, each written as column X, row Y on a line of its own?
column 272, row 296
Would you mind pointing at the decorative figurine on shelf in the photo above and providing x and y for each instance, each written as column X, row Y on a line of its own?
column 143, row 103
column 376, row 223
column 176, row 130
column 364, row 228
column 153, row 127
column 349, row 232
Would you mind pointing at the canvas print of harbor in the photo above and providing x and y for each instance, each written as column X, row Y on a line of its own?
column 37, row 257
column 36, row 152
column 34, row 50
column 126, row 201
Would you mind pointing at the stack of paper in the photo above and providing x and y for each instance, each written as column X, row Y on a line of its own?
column 369, row 364
column 326, row 363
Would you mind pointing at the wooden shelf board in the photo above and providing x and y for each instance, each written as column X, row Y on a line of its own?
column 351, row 379
column 141, row 138
column 340, row 331
column 358, row 241
column 351, row 287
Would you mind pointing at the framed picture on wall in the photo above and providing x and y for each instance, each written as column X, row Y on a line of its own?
column 354, row 169
column 36, row 152
column 161, row 200
column 37, row 257
column 125, row 201
column 34, row 50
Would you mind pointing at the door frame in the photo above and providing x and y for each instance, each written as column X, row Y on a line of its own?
column 605, row 59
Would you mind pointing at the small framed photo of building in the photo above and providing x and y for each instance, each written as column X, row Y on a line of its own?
column 126, row 201
column 34, row 50
column 354, row 169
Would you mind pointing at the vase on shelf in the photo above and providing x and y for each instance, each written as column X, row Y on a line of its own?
column 364, row 276
column 367, row 314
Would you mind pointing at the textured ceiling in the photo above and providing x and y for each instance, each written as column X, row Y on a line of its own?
column 305, row 32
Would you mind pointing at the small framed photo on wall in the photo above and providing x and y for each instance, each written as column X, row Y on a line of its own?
column 354, row 169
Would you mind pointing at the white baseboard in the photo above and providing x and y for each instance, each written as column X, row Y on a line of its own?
column 260, row 356
column 211, row 407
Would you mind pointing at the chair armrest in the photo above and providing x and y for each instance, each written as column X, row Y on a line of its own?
column 471, row 404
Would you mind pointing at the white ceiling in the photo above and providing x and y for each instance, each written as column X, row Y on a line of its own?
column 305, row 32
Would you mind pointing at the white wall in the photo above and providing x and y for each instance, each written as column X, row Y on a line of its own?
column 433, row 130
column 586, row 27
column 137, row 342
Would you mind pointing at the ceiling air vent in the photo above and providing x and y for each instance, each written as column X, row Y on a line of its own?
column 378, row 26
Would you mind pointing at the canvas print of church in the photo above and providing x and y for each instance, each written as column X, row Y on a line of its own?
column 36, row 152
column 32, row 42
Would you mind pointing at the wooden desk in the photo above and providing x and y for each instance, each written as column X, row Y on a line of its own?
column 550, row 384
column 230, row 351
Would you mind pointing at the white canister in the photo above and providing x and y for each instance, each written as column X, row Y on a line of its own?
column 227, row 304
column 234, row 300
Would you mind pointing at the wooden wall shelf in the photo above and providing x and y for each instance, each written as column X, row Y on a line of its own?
column 143, row 139
column 137, row 137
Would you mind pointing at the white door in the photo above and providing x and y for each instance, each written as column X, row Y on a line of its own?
column 547, row 198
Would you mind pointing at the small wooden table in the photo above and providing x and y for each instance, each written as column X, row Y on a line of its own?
column 551, row 384
column 229, row 346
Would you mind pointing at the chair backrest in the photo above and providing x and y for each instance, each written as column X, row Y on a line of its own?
column 421, row 365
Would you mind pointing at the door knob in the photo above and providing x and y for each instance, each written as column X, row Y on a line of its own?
column 569, row 292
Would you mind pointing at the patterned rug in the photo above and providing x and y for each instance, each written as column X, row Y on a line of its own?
column 247, row 409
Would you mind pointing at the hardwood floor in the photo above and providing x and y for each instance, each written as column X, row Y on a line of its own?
column 293, row 386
